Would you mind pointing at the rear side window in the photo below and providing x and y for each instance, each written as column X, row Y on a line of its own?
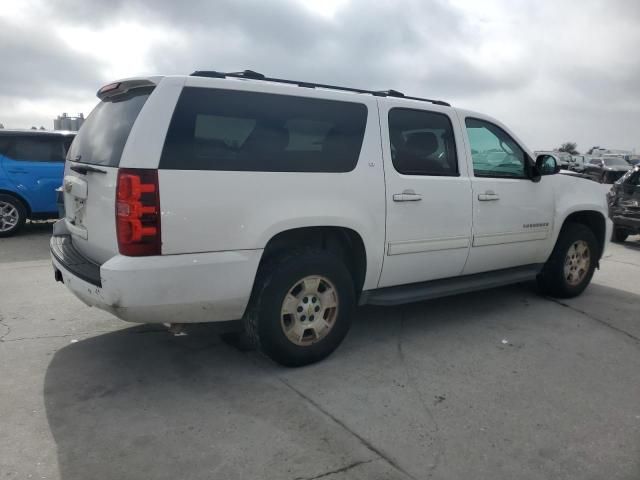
column 215, row 129
column 105, row 131
column 422, row 143
column 32, row 148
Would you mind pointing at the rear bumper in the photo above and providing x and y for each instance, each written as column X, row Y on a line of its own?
column 190, row 288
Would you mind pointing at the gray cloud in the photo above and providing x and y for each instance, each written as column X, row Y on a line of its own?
column 531, row 64
column 36, row 64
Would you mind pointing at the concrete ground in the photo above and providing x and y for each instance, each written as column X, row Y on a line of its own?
column 502, row 384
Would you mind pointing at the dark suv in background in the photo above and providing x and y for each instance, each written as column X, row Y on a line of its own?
column 624, row 205
column 606, row 169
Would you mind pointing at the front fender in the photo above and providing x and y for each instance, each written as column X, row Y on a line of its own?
column 574, row 195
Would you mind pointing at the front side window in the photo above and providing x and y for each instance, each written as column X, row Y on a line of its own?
column 32, row 148
column 232, row 130
column 422, row 143
column 494, row 153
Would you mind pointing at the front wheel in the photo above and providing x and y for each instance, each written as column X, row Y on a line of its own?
column 12, row 215
column 572, row 263
column 301, row 308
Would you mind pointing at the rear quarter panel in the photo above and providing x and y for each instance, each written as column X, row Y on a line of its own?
column 206, row 211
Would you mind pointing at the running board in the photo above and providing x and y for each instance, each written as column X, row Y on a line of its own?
column 415, row 292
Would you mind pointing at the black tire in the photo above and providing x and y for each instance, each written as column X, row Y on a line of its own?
column 552, row 280
column 276, row 278
column 619, row 234
column 22, row 214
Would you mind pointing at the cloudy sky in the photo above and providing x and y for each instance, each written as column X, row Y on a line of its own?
column 553, row 70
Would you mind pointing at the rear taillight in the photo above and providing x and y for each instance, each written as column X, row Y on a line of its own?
column 138, row 212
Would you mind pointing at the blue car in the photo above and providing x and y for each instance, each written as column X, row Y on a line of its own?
column 31, row 168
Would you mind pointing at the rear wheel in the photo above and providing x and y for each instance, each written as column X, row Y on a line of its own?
column 302, row 307
column 13, row 214
column 619, row 234
column 572, row 263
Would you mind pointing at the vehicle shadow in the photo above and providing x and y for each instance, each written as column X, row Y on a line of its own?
column 30, row 243
column 36, row 226
column 140, row 403
column 632, row 243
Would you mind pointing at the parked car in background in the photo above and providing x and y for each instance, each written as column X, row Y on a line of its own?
column 31, row 168
column 606, row 169
column 624, row 205
column 222, row 196
column 577, row 163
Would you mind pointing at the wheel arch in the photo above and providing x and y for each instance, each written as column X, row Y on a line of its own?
column 16, row 195
column 592, row 219
column 343, row 241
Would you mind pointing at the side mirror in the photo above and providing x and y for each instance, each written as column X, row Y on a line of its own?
column 547, row 165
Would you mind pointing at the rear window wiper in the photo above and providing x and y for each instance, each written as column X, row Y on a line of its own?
column 84, row 169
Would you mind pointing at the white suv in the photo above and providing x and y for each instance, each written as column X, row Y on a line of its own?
column 285, row 204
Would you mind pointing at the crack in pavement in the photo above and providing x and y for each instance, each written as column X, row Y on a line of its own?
column 366, row 443
column 3, row 338
column 339, row 470
column 4, row 335
column 596, row 319
column 620, row 261
column 412, row 382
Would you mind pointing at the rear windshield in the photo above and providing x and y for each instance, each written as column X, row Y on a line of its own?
column 104, row 133
column 214, row 129
column 615, row 161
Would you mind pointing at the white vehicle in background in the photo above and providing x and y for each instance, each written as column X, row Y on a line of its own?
column 285, row 204
column 577, row 163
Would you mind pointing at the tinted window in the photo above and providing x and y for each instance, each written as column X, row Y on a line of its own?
column 616, row 162
column 34, row 148
column 4, row 145
column 494, row 152
column 105, row 131
column 422, row 143
column 595, row 161
column 214, row 129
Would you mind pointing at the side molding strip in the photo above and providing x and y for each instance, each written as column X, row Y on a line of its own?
column 429, row 245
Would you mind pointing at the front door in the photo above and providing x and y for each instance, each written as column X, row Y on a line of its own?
column 512, row 215
column 428, row 229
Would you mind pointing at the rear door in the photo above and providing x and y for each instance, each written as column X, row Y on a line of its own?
column 92, row 170
column 34, row 163
column 428, row 193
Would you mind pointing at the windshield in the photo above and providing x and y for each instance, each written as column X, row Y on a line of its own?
column 614, row 162
column 103, row 135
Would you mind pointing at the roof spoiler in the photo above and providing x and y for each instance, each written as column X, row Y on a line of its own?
column 122, row 86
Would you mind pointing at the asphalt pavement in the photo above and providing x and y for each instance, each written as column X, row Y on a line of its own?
column 500, row 384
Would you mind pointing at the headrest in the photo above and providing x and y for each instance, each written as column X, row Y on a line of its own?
column 424, row 142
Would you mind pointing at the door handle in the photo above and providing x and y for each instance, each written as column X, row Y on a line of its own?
column 488, row 196
column 17, row 171
column 407, row 196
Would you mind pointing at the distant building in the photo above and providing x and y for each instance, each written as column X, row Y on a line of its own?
column 65, row 122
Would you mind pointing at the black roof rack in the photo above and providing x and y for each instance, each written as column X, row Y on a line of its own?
column 251, row 75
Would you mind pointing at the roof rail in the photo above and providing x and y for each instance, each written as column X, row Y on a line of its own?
column 251, row 75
